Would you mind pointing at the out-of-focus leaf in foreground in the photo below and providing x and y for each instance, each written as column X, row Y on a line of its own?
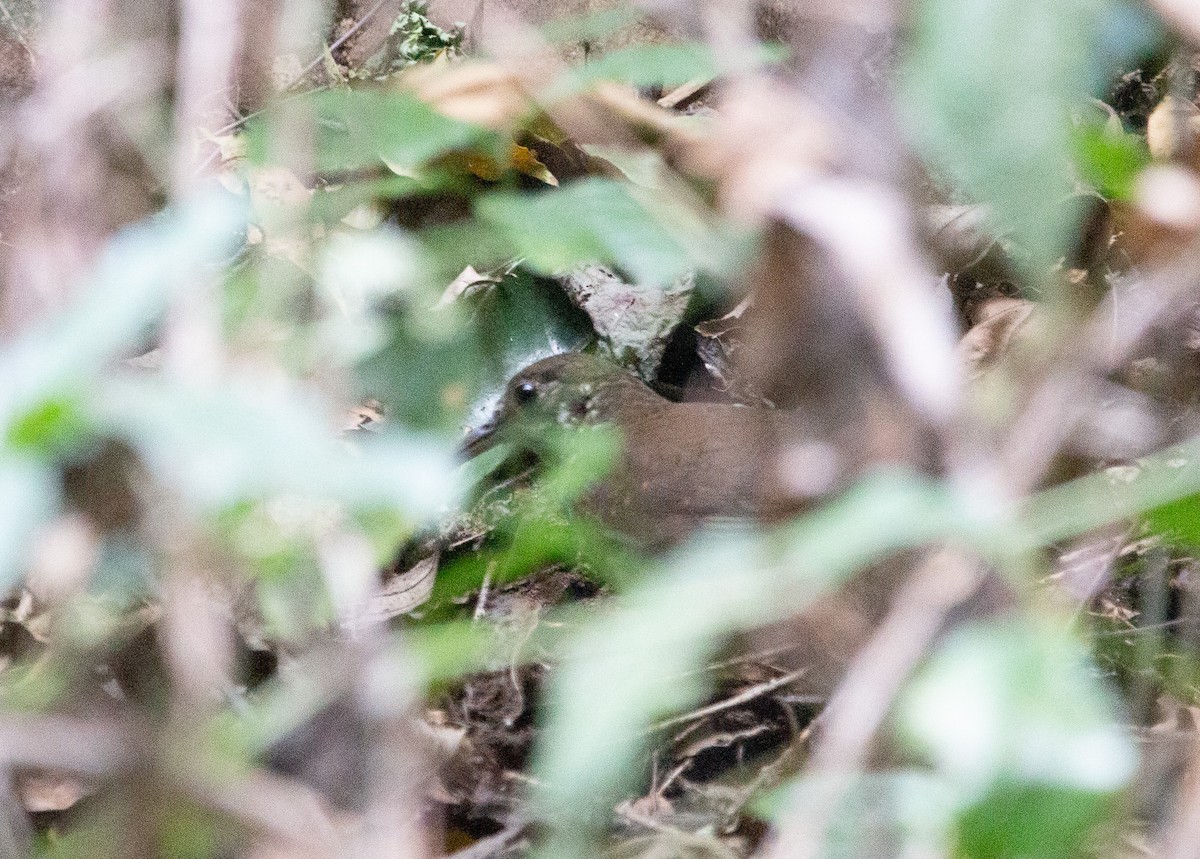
column 139, row 273
column 593, row 220
column 892, row 813
column 1013, row 715
column 641, row 658
column 1109, row 159
column 227, row 445
column 988, row 90
column 363, row 128
column 45, row 374
column 1117, row 493
column 521, row 319
column 647, row 65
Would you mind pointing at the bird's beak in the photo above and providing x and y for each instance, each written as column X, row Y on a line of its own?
column 479, row 438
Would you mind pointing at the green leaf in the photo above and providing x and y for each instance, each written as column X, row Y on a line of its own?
column 988, row 87
column 29, row 496
column 1013, row 714
column 360, row 128
column 427, row 372
column 225, row 445
column 648, row 65
column 910, row 812
column 139, row 273
column 1179, row 521
column 592, row 26
column 1117, row 493
column 51, row 371
column 640, row 658
column 593, row 220
column 519, row 320
column 52, row 429
column 1109, row 160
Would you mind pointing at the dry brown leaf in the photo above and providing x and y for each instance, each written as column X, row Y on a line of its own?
column 998, row 322
column 400, row 594
column 480, row 93
column 48, row 790
column 1172, row 128
column 766, row 139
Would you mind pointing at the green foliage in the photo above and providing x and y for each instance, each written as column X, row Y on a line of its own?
column 1014, row 718
column 55, row 428
column 645, row 653
column 1179, row 521
column 438, row 365
column 905, row 810
column 344, row 292
column 988, row 91
column 1109, row 160
column 593, row 220
column 359, row 128
column 368, row 127
column 647, row 65
column 419, row 40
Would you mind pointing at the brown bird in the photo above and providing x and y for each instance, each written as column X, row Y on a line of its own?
column 681, row 463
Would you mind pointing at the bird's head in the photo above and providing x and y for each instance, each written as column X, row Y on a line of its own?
column 564, row 390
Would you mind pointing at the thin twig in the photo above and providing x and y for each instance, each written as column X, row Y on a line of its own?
column 742, row 697
column 341, row 40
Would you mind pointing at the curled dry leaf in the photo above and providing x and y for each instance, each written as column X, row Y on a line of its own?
column 403, row 592
column 717, row 343
column 997, row 323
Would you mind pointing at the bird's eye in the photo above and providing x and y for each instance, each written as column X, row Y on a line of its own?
column 525, row 392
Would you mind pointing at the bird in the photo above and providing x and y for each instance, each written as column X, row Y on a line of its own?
column 681, row 464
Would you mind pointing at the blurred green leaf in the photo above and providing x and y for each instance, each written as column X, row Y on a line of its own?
column 592, row 26
column 48, row 373
column 640, row 658
column 139, row 273
column 29, row 497
column 360, row 267
column 1179, row 521
column 427, row 372
column 1117, row 493
column 522, row 319
column 988, row 87
column 52, row 429
column 646, row 65
column 1109, row 160
column 439, row 376
column 581, row 456
column 649, row 65
column 1012, row 712
column 225, row 445
column 880, row 814
column 592, row 220
column 363, row 127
